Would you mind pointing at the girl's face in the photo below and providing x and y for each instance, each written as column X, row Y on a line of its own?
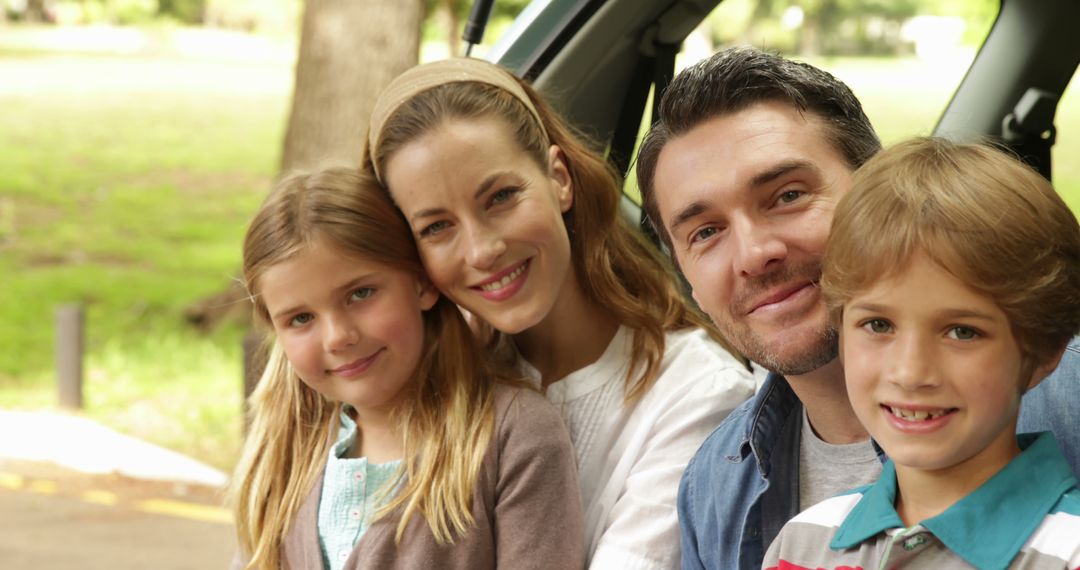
column 487, row 219
column 352, row 329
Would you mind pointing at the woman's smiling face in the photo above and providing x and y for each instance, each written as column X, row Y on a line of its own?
column 487, row 219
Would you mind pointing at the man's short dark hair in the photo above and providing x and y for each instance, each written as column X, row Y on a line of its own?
column 733, row 80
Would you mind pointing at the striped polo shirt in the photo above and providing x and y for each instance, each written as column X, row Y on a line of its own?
column 1027, row 516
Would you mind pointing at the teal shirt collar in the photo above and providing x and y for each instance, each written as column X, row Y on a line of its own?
column 986, row 528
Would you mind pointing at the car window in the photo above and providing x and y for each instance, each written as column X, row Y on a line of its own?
column 1066, row 167
column 903, row 59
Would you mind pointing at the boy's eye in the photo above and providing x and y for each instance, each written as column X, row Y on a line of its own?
column 877, row 326
column 362, row 293
column 962, row 333
column 301, row 319
column 434, row 228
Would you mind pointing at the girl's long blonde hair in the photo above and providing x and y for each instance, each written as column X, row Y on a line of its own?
column 446, row 423
column 617, row 267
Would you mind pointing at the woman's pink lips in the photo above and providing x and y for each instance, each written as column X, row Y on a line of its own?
column 498, row 276
column 511, row 288
column 357, row 367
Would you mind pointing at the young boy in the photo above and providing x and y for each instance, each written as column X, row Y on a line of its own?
column 953, row 274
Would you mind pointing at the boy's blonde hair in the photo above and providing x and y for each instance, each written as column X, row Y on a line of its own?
column 980, row 214
column 617, row 267
column 447, row 422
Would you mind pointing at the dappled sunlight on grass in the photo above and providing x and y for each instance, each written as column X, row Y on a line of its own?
column 180, row 391
column 125, row 186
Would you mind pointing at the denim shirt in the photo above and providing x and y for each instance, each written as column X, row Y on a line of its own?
column 1054, row 406
column 743, row 483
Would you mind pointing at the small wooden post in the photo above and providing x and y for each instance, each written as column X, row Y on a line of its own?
column 69, row 355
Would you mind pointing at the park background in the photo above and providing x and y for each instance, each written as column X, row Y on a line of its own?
column 138, row 137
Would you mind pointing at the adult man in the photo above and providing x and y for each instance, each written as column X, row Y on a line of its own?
column 740, row 178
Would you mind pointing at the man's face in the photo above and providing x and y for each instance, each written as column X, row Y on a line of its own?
column 747, row 199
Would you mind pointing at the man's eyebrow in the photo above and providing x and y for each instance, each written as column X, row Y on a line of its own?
column 696, row 208
column 780, row 170
column 686, row 214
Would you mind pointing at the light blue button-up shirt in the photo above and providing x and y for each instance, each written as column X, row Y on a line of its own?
column 352, row 492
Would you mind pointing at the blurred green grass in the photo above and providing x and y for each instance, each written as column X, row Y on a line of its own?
column 905, row 97
column 126, row 184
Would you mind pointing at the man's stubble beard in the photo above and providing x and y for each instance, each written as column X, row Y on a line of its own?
column 823, row 349
column 820, row 353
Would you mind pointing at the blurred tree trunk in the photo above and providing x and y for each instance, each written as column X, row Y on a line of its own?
column 449, row 12
column 349, row 51
column 35, row 11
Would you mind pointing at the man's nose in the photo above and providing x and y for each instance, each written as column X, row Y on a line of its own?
column 758, row 248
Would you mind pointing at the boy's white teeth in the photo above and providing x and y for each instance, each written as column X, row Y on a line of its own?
column 496, row 285
column 916, row 415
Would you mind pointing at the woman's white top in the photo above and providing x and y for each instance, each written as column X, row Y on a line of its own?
column 631, row 457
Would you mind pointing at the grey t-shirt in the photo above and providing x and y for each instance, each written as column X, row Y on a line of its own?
column 826, row 470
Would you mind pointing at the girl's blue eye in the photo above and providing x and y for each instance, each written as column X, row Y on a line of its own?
column 301, row 319
column 362, row 293
column 962, row 333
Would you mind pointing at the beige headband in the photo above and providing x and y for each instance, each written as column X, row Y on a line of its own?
column 424, row 77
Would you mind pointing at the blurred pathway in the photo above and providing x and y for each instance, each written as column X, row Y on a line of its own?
column 74, row 494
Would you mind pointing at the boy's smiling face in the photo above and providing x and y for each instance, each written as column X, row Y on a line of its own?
column 934, row 372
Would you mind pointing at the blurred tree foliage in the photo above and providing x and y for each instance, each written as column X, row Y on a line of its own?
column 838, row 27
column 448, row 17
column 825, row 27
column 187, row 11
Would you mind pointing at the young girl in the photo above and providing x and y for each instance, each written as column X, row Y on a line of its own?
column 517, row 222
column 381, row 435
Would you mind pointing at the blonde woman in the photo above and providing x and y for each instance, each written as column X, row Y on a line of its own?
column 517, row 222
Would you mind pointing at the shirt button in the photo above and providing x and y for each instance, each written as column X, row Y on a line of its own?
column 359, row 475
column 354, row 514
column 343, row 555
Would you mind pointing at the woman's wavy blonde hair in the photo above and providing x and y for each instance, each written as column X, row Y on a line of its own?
column 618, row 268
column 446, row 423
